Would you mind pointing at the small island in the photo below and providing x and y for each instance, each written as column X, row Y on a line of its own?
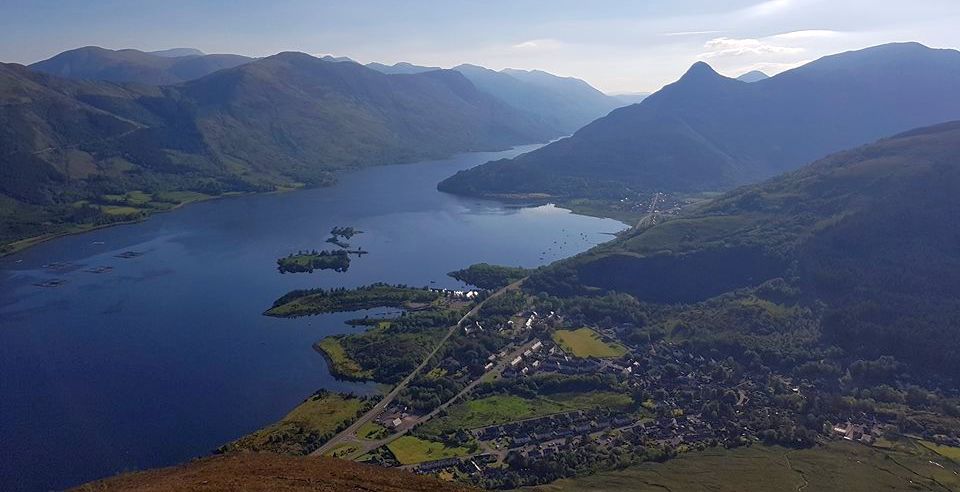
column 344, row 232
column 308, row 261
column 318, row 301
column 487, row 276
column 340, row 236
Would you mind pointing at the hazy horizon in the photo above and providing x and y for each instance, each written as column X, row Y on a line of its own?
column 617, row 46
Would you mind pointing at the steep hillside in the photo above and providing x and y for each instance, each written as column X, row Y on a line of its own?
column 866, row 237
column 269, row 472
column 564, row 103
column 709, row 132
column 158, row 68
column 71, row 150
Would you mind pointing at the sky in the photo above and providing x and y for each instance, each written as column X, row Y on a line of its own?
column 619, row 46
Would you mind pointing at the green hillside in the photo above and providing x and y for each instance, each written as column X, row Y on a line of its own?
column 69, row 148
column 856, row 251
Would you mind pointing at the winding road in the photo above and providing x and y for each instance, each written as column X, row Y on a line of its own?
column 348, row 435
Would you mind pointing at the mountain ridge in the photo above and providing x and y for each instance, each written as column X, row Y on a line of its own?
column 564, row 103
column 135, row 66
column 860, row 235
column 707, row 132
column 284, row 121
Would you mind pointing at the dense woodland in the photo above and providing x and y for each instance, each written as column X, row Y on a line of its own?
column 487, row 276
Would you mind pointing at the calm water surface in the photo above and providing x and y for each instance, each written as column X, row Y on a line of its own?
column 167, row 356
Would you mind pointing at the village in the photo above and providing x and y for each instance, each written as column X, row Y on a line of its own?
column 582, row 395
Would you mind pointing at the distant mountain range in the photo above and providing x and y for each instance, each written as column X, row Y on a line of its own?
column 155, row 68
column 563, row 103
column 178, row 52
column 709, row 132
column 402, row 67
column 285, row 120
column 753, row 76
column 863, row 242
column 632, row 97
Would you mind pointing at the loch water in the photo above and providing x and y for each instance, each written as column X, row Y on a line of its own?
column 165, row 356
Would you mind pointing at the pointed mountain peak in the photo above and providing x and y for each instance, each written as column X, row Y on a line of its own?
column 700, row 71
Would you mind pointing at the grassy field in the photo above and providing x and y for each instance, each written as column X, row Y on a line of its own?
column 501, row 409
column 409, row 450
column 341, row 365
column 585, row 342
column 372, row 430
column 119, row 210
column 606, row 399
column 342, row 450
column 948, row 452
column 301, row 430
column 836, row 466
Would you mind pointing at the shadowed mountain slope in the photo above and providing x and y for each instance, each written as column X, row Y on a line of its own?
column 867, row 237
column 709, row 132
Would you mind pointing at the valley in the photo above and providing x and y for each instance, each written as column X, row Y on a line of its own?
column 493, row 278
column 562, row 373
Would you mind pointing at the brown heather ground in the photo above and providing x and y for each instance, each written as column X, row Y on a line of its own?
column 264, row 471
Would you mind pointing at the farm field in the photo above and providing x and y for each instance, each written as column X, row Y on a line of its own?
column 584, row 342
column 501, row 409
column 409, row 450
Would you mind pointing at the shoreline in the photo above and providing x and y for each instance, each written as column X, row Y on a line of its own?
column 33, row 241
column 24, row 244
column 331, row 367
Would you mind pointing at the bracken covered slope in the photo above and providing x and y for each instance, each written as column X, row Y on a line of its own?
column 270, row 472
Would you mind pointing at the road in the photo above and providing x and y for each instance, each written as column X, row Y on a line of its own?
column 348, row 435
column 365, row 446
column 651, row 217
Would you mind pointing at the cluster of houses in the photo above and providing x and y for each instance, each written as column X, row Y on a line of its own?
column 395, row 416
column 469, row 466
column 545, row 437
column 540, row 428
column 459, row 294
column 865, row 432
column 524, row 363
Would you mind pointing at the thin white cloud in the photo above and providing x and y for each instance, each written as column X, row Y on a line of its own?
column 721, row 47
column 539, row 44
column 690, row 33
column 808, row 34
